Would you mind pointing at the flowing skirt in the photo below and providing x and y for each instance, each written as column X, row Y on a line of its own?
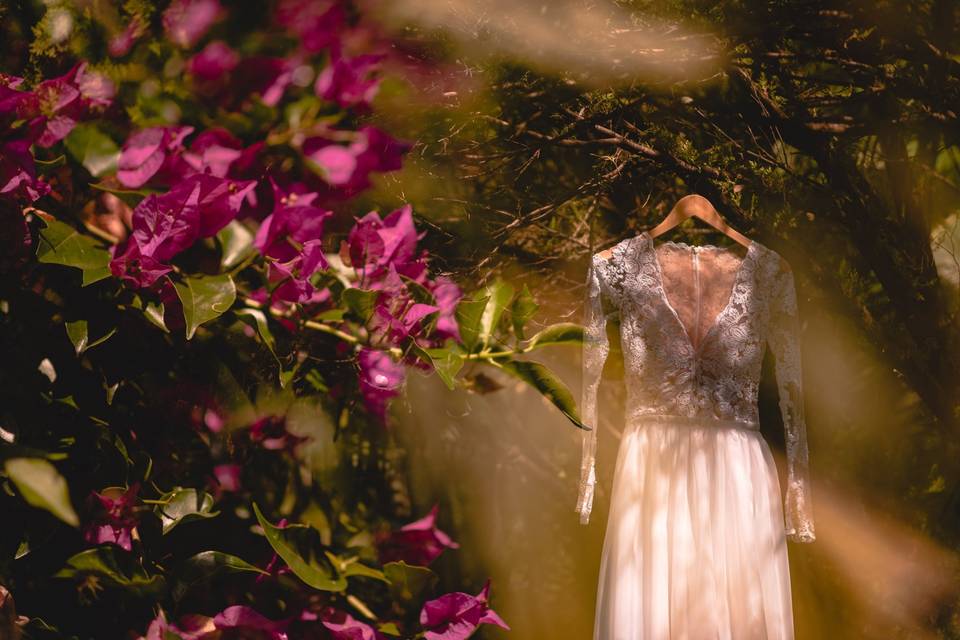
column 695, row 547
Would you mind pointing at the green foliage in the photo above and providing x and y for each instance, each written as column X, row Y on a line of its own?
column 42, row 486
column 59, row 243
column 205, row 298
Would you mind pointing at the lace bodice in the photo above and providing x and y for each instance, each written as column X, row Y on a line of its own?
column 694, row 324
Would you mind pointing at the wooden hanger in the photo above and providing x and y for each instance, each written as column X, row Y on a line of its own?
column 693, row 205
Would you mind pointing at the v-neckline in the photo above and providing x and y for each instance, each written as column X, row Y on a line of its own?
column 663, row 293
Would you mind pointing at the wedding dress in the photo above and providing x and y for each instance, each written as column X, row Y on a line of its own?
column 695, row 544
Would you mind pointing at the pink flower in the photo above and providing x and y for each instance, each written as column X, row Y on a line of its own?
column 117, row 517
column 447, row 294
column 121, row 43
column 56, row 105
column 346, row 82
column 455, row 616
column 228, row 476
column 133, row 267
column 214, row 62
column 18, row 172
column 380, row 379
column 348, row 168
column 419, row 542
column 238, row 621
column 152, row 151
column 265, row 77
column 292, row 222
column 96, row 90
column 343, row 626
column 186, row 21
column 166, row 224
column 294, row 275
column 271, row 433
column 317, row 22
column 377, row 244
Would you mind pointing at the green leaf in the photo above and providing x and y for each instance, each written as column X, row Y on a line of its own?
column 183, row 505
column 418, row 292
column 131, row 197
column 360, row 302
column 205, row 298
column 522, row 310
column 447, row 362
column 113, row 570
column 200, row 568
column 300, row 547
column 41, row 485
column 152, row 311
column 94, row 149
column 469, row 313
column 59, row 243
column 408, row 582
column 258, row 320
column 331, row 315
column 77, row 332
column 500, row 294
column 236, row 243
column 46, row 165
column 541, row 379
column 560, row 333
column 353, row 567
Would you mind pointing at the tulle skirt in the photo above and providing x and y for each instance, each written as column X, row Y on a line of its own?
column 695, row 546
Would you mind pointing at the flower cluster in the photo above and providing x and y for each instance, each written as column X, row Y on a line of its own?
column 226, row 163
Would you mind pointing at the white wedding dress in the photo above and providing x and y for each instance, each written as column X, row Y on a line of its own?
column 695, row 544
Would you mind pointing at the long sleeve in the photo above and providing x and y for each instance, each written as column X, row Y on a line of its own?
column 595, row 349
column 784, row 340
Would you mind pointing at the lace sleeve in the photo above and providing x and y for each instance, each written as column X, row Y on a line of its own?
column 784, row 339
column 595, row 349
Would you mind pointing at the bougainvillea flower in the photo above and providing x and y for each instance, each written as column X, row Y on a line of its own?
column 219, row 201
column 419, row 542
column 129, row 264
column 349, row 167
column 186, row 21
column 346, row 81
column 116, row 518
column 447, row 295
column 317, row 22
column 455, row 616
column 374, row 244
column 270, row 432
column 227, row 476
column 295, row 275
column 266, row 77
column 241, row 617
column 237, row 621
column 293, row 219
column 18, row 172
column 121, row 42
column 150, row 151
column 166, row 224
column 214, row 151
column 343, row 626
column 97, row 91
column 380, row 379
column 56, row 105
column 394, row 317
column 212, row 63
